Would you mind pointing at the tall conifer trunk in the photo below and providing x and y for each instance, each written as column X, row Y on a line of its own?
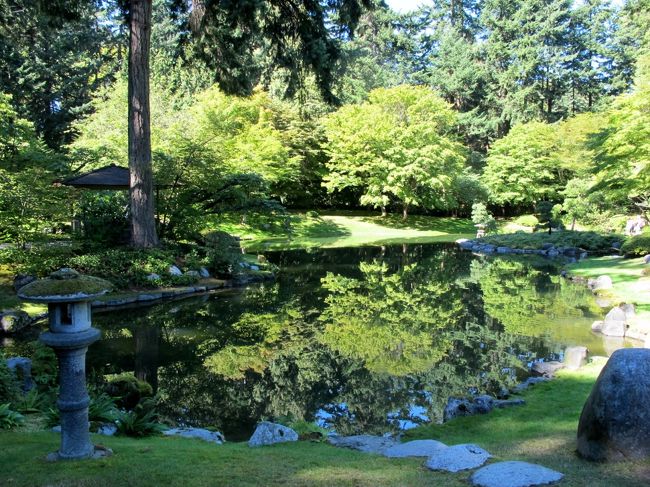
column 143, row 225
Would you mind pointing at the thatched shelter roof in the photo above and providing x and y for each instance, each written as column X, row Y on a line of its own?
column 109, row 177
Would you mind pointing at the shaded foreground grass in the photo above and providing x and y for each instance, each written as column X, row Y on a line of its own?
column 542, row 431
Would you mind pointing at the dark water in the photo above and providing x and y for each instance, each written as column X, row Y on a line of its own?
column 361, row 340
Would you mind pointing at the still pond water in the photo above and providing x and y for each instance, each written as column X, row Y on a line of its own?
column 359, row 340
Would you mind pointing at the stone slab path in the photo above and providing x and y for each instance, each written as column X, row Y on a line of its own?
column 514, row 474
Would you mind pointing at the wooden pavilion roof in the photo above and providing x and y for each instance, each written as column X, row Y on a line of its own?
column 109, row 177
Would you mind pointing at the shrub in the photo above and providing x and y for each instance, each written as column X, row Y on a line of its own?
column 141, row 421
column 527, row 221
column 9, row 418
column 127, row 390
column 481, row 216
column 102, row 408
column 105, row 217
column 637, row 245
column 33, row 402
column 591, row 241
column 312, row 214
column 9, row 387
column 222, row 251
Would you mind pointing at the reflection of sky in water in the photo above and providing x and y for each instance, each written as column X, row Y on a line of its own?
column 417, row 415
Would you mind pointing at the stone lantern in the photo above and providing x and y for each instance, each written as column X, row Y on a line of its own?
column 68, row 294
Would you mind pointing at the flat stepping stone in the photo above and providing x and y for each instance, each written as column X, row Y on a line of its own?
column 458, row 457
column 364, row 443
column 514, row 474
column 415, row 448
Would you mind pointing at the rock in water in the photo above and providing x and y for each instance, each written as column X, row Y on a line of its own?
column 457, row 458
column 575, row 357
column 615, row 420
column 546, row 369
column 268, row 433
column 415, row 448
column 514, row 474
column 615, row 323
column 364, row 443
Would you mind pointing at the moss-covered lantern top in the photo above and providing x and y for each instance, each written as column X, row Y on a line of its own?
column 64, row 285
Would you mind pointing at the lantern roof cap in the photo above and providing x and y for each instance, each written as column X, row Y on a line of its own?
column 64, row 285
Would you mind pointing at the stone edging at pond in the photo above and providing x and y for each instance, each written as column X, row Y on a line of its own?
column 12, row 321
column 547, row 250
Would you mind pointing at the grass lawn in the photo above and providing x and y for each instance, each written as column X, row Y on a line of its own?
column 541, row 431
column 629, row 284
column 352, row 230
column 8, row 298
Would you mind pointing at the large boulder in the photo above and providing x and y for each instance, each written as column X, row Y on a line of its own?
column 268, row 433
column 14, row 321
column 615, row 420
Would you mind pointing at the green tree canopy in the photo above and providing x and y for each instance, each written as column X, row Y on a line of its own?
column 398, row 146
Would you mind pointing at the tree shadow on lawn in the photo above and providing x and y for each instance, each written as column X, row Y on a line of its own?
column 318, row 228
column 423, row 223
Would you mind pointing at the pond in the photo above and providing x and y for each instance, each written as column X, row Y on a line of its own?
column 366, row 339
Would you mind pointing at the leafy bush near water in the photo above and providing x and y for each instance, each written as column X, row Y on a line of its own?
column 9, row 418
column 637, row 245
column 122, row 266
column 590, row 241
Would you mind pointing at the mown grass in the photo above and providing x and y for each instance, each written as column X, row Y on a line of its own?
column 542, row 431
column 8, row 298
column 630, row 285
column 349, row 230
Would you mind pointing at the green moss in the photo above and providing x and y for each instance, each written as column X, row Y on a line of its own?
column 73, row 285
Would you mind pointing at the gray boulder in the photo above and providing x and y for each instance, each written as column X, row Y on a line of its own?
column 514, row 474
column 268, row 433
column 478, row 405
column 546, row 369
column 597, row 326
column 153, row 277
column 22, row 368
column 174, row 271
column 464, row 243
column 615, row 420
column 13, row 321
column 615, row 323
column 198, row 433
column 204, row 273
column 364, row 443
column 107, row 429
column 416, row 448
column 457, row 458
column 553, row 253
column 503, row 250
column 575, row 357
column 646, row 259
column 194, row 274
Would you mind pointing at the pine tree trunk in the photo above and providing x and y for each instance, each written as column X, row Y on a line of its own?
column 143, row 224
column 383, row 211
column 405, row 212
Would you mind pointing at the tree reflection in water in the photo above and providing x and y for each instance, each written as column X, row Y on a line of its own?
column 364, row 339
